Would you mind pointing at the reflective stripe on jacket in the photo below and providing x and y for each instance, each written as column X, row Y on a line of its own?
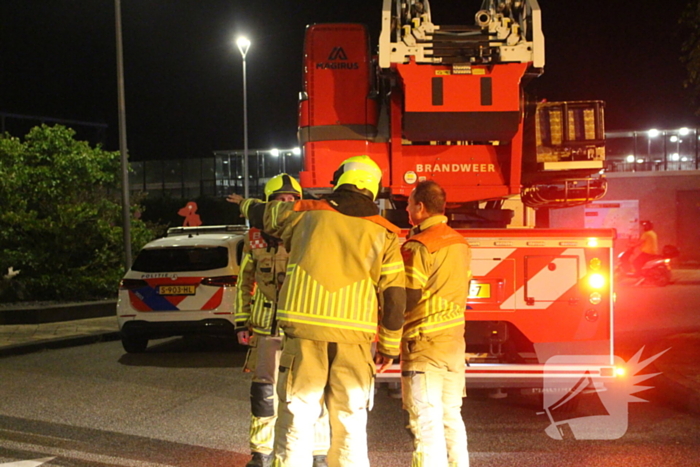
column 261, row 274
column 437, row 261
column 338, row 266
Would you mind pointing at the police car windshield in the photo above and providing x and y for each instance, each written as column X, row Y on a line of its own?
column 181, row 259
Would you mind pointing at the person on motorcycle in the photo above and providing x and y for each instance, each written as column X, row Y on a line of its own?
column 648, row 245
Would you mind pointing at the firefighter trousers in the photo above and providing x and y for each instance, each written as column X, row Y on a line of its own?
column 263, row 362
column 314, row 372
column 433, row 399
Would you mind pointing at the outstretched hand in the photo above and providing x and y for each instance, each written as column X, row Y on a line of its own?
column 234, row 198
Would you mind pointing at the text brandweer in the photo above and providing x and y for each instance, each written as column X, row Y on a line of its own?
column 455, row 168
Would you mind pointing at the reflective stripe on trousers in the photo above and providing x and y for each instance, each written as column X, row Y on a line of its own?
column 433, row 400
column 266, row 361
column 312, row 372
column 265, row 371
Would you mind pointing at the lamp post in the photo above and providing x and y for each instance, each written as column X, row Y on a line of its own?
column 243, row 46
column 126, row 214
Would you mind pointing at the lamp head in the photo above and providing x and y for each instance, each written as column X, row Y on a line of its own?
column 243, row 45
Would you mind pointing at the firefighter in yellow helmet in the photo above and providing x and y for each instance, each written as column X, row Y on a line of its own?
column 261, row 275
column 344, row 263
column 438, row 272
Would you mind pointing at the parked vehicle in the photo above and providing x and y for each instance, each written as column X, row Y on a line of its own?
column 656, row 271
column 182, row 284
column 450, row 103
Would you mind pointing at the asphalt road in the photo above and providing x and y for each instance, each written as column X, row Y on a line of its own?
column 185, row 403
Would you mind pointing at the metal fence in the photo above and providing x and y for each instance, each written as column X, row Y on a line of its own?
column 214, row 176
column 652, row 150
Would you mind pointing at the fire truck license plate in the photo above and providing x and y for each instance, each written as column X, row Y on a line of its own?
column 176, row 290
column 479, row 290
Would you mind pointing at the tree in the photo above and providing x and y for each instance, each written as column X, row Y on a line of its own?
column 690, row 48
column 60, row 217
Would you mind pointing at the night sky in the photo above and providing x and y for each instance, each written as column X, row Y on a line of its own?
column 183, row 74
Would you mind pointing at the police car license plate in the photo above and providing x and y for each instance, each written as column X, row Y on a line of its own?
column 479, row 290
column 176, row 290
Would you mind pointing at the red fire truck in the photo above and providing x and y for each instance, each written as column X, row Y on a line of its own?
column 450, row 103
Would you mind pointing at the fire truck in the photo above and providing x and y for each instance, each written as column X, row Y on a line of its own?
column 451, row 104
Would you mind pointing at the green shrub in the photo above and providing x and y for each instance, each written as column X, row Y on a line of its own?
column 61, row 217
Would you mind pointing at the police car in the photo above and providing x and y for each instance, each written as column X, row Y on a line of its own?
column 181, row 284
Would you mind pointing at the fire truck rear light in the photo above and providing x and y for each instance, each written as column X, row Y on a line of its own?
column 620, row 371
column 594, row 298
column 594, row 264
column 568, row 243
column 497, row 243
column 592, row 242
column 535, row 243
column 592, row 315
column 596, row 281
column 221, row 281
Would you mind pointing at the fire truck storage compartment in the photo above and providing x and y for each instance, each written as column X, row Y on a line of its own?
column 481, row 106
column 337, row 101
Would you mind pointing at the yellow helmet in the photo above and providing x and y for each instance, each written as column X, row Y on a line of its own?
column 361, row 172
column 282, row 184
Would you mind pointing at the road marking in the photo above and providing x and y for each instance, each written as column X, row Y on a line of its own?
column 33, row 463
column 71, row 454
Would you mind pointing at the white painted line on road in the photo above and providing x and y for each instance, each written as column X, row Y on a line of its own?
column 72, row 454
column 32, row 463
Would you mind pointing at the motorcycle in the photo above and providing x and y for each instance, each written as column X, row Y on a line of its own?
column 656, row 271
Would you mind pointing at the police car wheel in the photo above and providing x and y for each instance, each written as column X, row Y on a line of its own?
column 134, row 344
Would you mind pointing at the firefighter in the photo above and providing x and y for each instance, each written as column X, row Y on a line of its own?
column 437, row 261
column 344, row 263
column 261, row 275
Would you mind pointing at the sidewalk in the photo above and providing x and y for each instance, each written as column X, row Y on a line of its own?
column 18, row 339
column 678, row 383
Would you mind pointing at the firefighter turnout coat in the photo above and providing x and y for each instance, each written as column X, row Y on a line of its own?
column 261, row 275
column 342, row 270
column 437, row 260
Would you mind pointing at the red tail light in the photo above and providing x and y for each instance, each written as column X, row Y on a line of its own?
column 132, row 284
column 221, row 281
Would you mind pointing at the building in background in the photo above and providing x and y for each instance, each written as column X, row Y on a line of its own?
column 215, row 176
column 652, row 150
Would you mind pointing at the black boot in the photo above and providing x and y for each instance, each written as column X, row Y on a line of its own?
column 260, row 460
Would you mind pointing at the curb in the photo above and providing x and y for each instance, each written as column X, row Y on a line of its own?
column 39, row 314
column 59, row 343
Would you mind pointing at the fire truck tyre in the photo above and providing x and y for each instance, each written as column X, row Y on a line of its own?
column 134, row 344
column 660, row 277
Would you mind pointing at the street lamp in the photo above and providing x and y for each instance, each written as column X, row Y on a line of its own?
column 243, row 46
column 124, row 157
